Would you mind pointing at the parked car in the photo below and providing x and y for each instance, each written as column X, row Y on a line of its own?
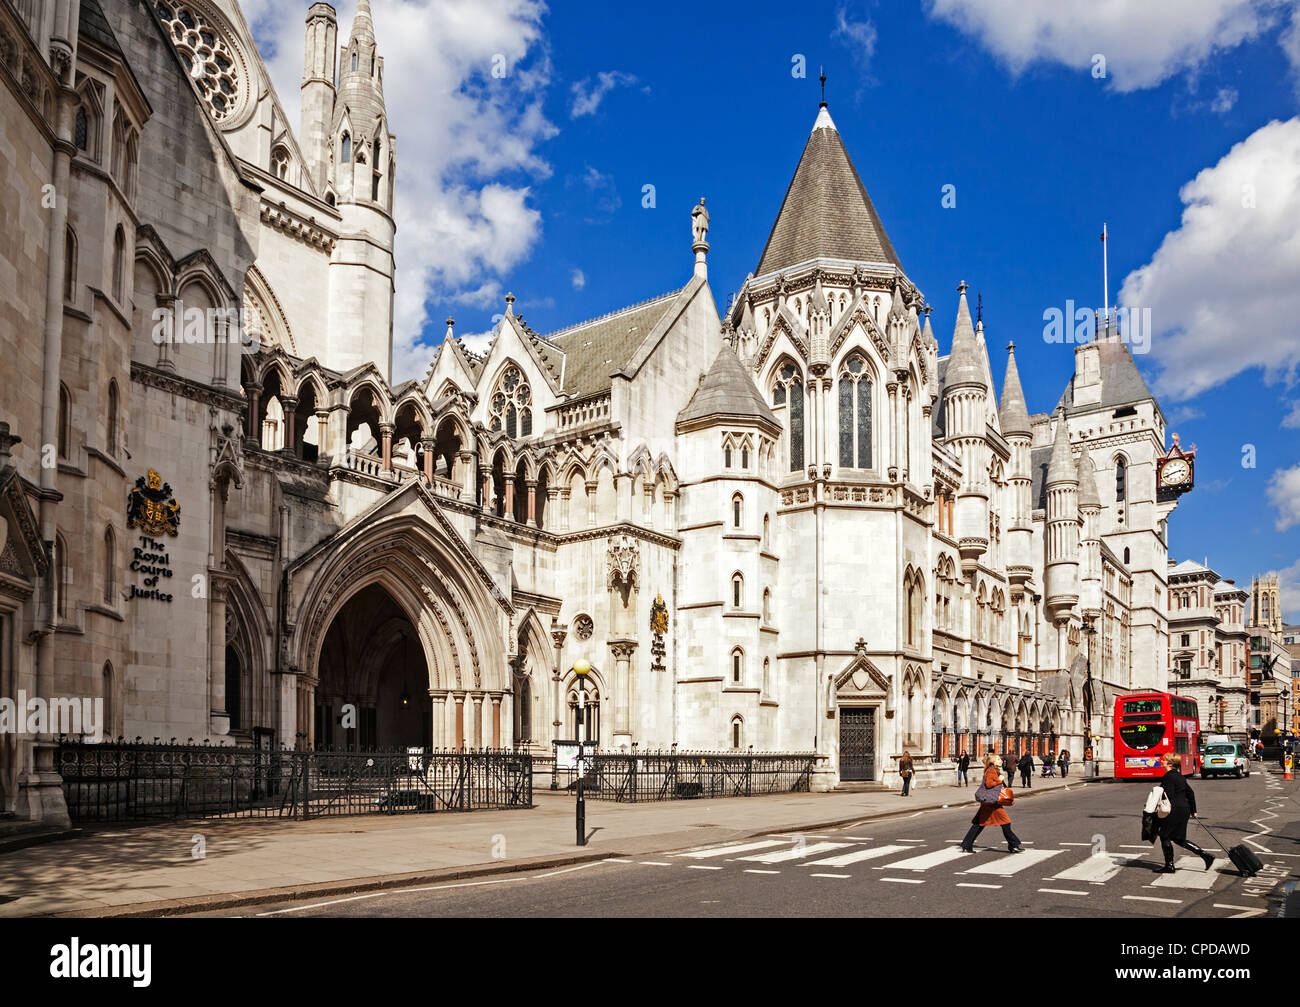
column 1224, row 758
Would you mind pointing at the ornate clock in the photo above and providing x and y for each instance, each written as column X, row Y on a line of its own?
column 1175, row 472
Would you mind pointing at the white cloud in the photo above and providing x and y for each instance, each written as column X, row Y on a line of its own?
column 587, row 97
column 1284, row 494
column 1144, row 41
column 463, row 139
column 1291, row 421
column 1224, row 100
column 859, row 36
column 579, row 279
column 1222, row 287
column 1288, row 582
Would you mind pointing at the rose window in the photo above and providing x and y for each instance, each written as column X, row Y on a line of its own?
column 213, row 62
column 511, row 404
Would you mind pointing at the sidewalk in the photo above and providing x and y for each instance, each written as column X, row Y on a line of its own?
column 150, row 869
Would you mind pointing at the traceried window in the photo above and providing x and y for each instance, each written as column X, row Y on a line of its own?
column 81, row 129
column 280, row 162
column 214, row 63
column 855, row 414
column 345, row 155
column 512, row 404
column 789, row 386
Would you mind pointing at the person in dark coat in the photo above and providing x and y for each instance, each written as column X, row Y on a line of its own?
column 1026, row 767
column 905, row 771
column 963, row 767
column 1063, row 761
column 992, row 814
column 1173, row 828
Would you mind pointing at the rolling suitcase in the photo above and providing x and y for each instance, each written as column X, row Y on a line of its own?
column 1243, row 858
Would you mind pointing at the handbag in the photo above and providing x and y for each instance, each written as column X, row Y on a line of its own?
column 989, row 795
column 1163, row 807
column 1006, row 798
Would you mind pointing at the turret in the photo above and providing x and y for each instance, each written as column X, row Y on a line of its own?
column 1062, row 531
column 318, row 91
column 1090, row 537
column 1013, row 417
column 965, row 401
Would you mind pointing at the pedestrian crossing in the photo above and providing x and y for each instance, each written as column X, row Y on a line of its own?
column 909, row 861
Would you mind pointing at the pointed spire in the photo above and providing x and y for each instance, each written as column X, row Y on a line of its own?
column 1013, row 413
column 1088, row 495
column 964, row 361
column 819, row 302
column 1061, row 468
column 928, row 333
column 363, row 25
column 747, row 317
column 451, row 324
column 510, row 304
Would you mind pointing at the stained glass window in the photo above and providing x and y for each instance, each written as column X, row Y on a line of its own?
column 510, row 404
column 855, row 414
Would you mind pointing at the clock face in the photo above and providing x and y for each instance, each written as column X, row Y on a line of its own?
column 1175, row 472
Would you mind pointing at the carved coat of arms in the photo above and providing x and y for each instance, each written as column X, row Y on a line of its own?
column 151, row 506
column 659, row 616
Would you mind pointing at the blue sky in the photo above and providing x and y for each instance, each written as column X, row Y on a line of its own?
column 536, row 183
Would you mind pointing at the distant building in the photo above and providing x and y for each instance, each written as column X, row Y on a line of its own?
column 1208, row 646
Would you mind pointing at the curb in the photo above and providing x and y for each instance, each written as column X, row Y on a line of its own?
column 21, row 842
column 147, row 910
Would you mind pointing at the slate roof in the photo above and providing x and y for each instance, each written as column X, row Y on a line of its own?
column 964, row 365
column 1121, row 382
column 1189, row 566
column 1013, row 414
column 727, row 391
column 94, row 26
column 597, row 349
column 826, row 212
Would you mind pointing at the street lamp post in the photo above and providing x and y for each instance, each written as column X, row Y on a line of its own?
column 581, row 668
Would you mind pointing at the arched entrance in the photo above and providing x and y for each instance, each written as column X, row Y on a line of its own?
column 373, row 689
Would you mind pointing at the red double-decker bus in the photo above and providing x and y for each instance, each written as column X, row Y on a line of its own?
column 1151, row 725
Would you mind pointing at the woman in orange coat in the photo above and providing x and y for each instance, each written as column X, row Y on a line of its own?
column 992, row 814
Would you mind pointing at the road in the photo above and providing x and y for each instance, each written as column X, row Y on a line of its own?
column 1083, row 858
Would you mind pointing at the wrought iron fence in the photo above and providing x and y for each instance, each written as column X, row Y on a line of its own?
column 675, row 776
column 132, row 781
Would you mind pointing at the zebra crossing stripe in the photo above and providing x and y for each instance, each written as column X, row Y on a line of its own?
column 1097, row 869
column 926, row 860
column 795, row 853
column 722, row 851
column 857, row 856
column 1191, row 874
column 1008, row 865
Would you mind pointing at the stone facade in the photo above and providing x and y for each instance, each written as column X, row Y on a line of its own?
column 794, row 526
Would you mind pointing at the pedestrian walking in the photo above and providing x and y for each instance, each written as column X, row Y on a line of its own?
column 992, row 814
column 963, row 768
column 905, row 771
column 1182, row 805
column 1026, row 767
column 1063, row 761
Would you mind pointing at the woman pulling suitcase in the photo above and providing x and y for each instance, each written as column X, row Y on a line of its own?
column 1173, row 827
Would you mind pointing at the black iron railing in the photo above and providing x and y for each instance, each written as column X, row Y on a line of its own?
column 675, row 776
column 133, row 781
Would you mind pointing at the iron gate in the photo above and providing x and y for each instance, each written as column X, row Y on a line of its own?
column 857, row 743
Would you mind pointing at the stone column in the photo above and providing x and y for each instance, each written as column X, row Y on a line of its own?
column 290, row 423
column 508, row 510
column 426, row 444
column 892, row 459
column 622, row 650
column 552, row 495
column 167, row 302
column 564, row 508
column 648, row 505
column 219, row 716
column 478, row 720
column 496, row 720
column 438, row 715
column 253, row 423
column 487, row 491
column 465, row 460
column 591, row 504
column 532, row 502
column 460, row 720
column 323, row 452
column 386, row 442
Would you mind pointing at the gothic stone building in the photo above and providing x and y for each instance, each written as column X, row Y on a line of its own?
column 219, row 514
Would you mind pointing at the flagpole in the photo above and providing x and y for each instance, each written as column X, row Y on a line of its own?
column 1105, row 275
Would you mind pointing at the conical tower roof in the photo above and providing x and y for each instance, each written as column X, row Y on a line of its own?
column 1061, row 468
column 826, row 212
column 727, row 392
column 964, row 361
column 1088, row 495
column 1013, row 413
column 363, row 25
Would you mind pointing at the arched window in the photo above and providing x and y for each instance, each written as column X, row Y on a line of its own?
column 737, row 666
column 511, row 405
column 767, row 606
column 1121, row 480
column 767, row 676
column 855, row 414
column 354, row 60
column 767, row 527
column 726, row 455
column 737, row 510
column 119, row 263
column 81, row 129
column 346, row 156
column 744, row 457
column 106, row 690
column 1126, row 556
column 112, row 420
column 65, row 422
column 69, row 264
column 736, row 732
column 737, row 590
column 789, row 386
column 279, row 162
column 110, row 566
